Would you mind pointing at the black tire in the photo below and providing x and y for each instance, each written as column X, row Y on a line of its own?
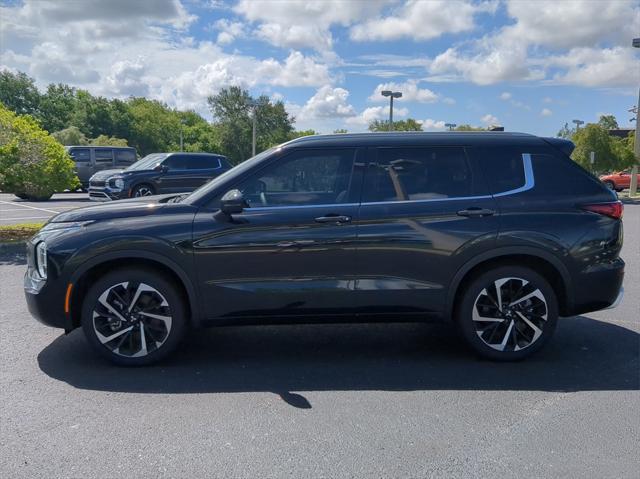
column 141, row 190
column 149, row 291
column 524, row 336
column 22, row 196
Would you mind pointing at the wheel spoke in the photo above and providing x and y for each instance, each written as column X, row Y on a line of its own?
column 165, row 319
column 506, row 336
column 106, row 339
column 143, row 343
column 535, row 294
column 537, row 332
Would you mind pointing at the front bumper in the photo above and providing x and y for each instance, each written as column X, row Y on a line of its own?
column 104, row 193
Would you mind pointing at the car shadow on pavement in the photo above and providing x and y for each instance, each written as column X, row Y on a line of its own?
column 584, row 355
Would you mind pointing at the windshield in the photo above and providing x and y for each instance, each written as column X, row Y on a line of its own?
column 148, row 162
column 236, row 170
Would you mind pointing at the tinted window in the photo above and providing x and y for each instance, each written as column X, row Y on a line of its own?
column 175, row 162
column 202, row 162
column 302, row 178
column 80, row 155
column 125, row 157
column 503, row 167
column 104, row 155
column 562, row 177
column 417, row 174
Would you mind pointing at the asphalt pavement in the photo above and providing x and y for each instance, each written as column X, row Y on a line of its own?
column 13, row 210
column 384, row 400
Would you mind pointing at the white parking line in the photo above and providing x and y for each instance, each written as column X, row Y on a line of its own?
column 27, row 206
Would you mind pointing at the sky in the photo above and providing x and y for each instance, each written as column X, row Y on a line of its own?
column 530, row 66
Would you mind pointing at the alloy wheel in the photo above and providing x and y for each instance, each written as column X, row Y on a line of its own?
column 510, row 314
column 142, row 191
column 132, row 319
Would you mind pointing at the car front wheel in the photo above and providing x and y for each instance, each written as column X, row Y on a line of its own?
column 133, row 317
column 142, row 190
column 507, row 313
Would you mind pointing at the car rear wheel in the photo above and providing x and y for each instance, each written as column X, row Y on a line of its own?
column 142, row 190
column 507, row 313
column 133, row 317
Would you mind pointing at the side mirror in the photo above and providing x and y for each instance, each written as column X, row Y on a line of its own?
column 232, row 202
column 161, row 168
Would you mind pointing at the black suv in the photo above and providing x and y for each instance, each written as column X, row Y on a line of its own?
column 157, row 173
column 501, row 232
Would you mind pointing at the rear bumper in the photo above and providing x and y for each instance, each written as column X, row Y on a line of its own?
column 599, row 287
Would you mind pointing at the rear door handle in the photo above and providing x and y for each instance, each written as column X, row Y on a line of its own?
column 476, row 212
column 335, row 219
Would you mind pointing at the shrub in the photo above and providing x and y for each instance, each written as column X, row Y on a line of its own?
column 32, row 162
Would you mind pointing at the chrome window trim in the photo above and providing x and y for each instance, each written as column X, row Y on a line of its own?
column 529, row 183
column 529, row 180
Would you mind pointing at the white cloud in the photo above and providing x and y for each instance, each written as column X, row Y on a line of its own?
column 505, row 96
column 376, row 113
column 304, row 24
column 489, row 120
column 546, row 112
column 297, row 70
column 595, row 67
column 127, row 78
column 435, row 125
column 420, row 20
column 410, row 92
column 228, row 31
column 328, row 102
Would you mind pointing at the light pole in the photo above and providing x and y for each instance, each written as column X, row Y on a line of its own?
column 391, row 95
column 578, row 123
column 182, row 123
column 451, row 126
column 254, row 106
column 633, row 187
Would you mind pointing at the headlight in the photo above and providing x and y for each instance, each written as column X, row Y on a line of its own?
column 119, row 183
column 41, row 259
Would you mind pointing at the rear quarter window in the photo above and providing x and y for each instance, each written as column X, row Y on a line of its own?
column 562, row 176
column 503, row 167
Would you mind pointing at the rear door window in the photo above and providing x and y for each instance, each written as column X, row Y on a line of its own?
column 80, row 155
column 176, row 162
column 104, row 156
column 503, row 168
column 125, row 157
column 198, row 162
column 418, row 173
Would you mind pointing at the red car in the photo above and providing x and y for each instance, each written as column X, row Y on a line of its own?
column 617, row 181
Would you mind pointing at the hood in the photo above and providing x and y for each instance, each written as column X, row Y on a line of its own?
column 105, row 174
column 117, row 209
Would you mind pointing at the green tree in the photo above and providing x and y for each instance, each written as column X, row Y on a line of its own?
column 401, row 125
column 70, row 136
column 18, row 92
column 92, row 114
column 232, row 109
column 32, row 162
column 153, row 127
column 566, row 132
column 104, row 140
column 594, row 138
column 301, row 133
column 608, row 122
column 340, row 131
column 467, row 127
column 57, row 106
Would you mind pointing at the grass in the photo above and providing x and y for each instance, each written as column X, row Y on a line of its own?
column 19, row 232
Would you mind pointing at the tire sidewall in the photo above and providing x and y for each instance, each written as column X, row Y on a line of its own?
column 153, row 279
column 142, row 185
column 465, row 323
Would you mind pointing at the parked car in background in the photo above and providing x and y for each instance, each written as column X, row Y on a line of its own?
column 158, row 173
column 349, row 227
column 91, row 159
column 617, row 181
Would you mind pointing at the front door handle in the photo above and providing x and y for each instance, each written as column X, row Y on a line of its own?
column 476, row 212
column 335, row 219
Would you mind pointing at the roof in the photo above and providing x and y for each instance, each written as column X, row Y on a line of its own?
column 460, row 138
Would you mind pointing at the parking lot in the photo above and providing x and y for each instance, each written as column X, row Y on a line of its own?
column 13, row 210
column 399, row 400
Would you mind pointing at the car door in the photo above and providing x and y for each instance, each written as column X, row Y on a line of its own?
column 291, row 252
column 425, row 211
column 103, row 158
column 176, row 178
column 202, row 168
column 84, row 167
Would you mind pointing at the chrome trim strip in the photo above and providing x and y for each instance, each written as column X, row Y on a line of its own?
column 529, row 180
column 529, row 183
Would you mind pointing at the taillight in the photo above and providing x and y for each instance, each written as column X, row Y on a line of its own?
column 613, row 209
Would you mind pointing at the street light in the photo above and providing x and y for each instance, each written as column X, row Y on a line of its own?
column 182, row 123
column 451, row 126
column 578, row 123
column 633, row 187
column 254, row 105
column 391, row 95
